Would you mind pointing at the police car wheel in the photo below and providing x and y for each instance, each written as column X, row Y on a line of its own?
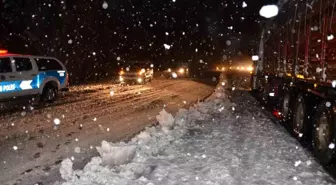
column 49, row 94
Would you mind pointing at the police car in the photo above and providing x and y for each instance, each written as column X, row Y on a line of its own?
column 30, row 76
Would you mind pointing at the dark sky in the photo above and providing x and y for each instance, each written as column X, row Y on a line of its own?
column 83, row 33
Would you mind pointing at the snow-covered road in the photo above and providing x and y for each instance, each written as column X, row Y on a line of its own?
column 220, row 141
column 33, row 143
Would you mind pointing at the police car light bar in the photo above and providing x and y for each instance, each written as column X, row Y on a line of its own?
column 3, row 51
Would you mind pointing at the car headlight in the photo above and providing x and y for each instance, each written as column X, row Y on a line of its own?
column 142, row 71
column 181, row 70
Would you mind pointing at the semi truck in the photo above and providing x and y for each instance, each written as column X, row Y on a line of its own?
column 295, row 71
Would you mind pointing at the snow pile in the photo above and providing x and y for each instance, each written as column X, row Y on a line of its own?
column 66, row 169
column 117, row 154
column 165, row 119
column 206, row 144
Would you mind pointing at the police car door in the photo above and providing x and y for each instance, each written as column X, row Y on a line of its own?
column 7, row 78
column 25, row 71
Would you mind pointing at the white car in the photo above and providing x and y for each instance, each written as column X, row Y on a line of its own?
column 30, row 76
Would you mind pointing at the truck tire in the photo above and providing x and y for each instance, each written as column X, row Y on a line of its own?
column 49, row 93
column 324, row 133
column 300, row 118
column 285, row 107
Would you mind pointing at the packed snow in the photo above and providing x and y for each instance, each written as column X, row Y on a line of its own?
column 224, row 140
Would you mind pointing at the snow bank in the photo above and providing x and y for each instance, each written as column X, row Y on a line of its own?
column 201, row 145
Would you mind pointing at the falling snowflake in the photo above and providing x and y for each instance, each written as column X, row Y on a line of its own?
column 233, row 88
column 204, row 156
column 295, row 178
column 269, row 11
column 118, row 58
column 223, row 83
column 300, row 134
column 69, row 41
column 93, row 53
column 174, row 75
column 167, row 33
column 174, row 1
column 94, row 119
column 308, row 162
column 233, row 108
column 230, row 27
column 15, row 147
column 297, row 163
column 328, row 104
column 333, row 83
column 330, row 37
column 111, row 93
column 244, row 4
column 166, row 46
column 105, row 5
column 57, row 121
column 77, row 150
column 228, row 42
column 331, row 145
column 196, row 50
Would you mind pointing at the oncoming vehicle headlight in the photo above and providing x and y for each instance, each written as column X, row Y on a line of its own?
column 142, row 71
column 169, row 70
column 181, row 70
column 250, row 69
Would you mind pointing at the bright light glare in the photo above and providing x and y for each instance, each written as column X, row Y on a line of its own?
column 121, row 79
column 139, row 80
column 269, row 11
column 169, row 70
column 255, row 57
column 271, row 94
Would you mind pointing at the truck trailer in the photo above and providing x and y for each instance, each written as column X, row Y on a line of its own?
column 296, row 72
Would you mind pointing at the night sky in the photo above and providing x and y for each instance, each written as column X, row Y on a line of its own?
column 93, row 36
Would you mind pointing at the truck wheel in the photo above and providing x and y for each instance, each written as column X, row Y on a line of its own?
column 323, row 133
column 49, row 93
column 299, row 123
column 285, row 107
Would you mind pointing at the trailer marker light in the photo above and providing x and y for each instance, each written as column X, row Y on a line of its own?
column 2, row 51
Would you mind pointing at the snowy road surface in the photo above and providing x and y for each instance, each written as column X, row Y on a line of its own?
column 220, row 141
column 33, row 143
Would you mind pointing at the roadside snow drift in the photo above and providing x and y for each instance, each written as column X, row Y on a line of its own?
column 214, row 142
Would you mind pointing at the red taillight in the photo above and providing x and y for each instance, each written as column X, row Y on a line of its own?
column 2, row 51
column 277, row 114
